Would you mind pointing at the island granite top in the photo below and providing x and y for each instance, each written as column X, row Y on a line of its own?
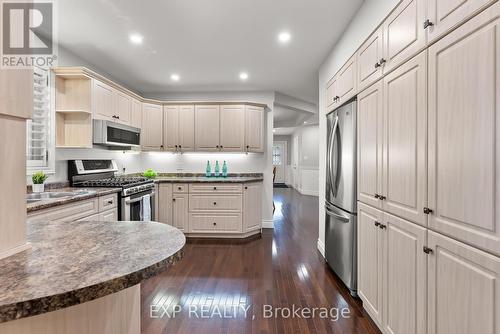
column 70, row 263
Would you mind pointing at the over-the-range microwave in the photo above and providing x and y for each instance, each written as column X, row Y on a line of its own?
column 114, row 134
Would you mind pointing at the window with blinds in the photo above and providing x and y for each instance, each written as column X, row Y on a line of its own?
column 38, row 128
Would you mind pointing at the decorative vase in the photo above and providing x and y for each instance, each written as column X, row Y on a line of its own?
column 38, row 188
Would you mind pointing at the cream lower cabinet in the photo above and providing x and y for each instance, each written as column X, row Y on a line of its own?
column 212, row 209
column 103, row 208
column 464, row 288
column 392, row 269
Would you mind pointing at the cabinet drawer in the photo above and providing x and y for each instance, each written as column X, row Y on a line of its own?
column 215, row 187
column 68, row 212
column 108, row 202
column 180, row 188
column 215, row 223
column 218, row 202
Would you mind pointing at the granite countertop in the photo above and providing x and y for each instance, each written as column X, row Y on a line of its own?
column 51, row 202
column 201, row 178
column 74, row 262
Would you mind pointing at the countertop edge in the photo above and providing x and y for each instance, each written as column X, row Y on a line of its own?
column 214, row 180
column 28, row 308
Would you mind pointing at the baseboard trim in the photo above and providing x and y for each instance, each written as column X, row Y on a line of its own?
column 267, row 224
column 321, row 247
column 15, row 250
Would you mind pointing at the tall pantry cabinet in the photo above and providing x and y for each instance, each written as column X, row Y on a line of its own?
column 429, row 170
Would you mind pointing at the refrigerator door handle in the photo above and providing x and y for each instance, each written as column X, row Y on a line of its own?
column 339, row 217
column 332, row 141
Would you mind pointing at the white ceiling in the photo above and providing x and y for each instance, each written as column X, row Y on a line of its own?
column 207, row 42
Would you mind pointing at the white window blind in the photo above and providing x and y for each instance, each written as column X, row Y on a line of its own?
column 38, row 132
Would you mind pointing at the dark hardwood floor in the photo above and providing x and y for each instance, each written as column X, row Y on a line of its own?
column 219, row 282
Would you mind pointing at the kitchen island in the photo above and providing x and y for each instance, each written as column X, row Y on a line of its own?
column 83, row 277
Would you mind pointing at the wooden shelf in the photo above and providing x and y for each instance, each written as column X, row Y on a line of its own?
column 73, row 129
column 73, row 111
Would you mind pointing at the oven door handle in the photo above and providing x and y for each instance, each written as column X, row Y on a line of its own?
column 133, row 200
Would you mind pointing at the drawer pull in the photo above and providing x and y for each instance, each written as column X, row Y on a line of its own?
column 110, row 201
column 215, row 188
column 215, row 223
column 215, row 203
column 179, row 188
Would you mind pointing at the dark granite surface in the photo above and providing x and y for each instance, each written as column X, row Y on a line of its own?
column 201, row 178
column 48, row 203
column 75, row 262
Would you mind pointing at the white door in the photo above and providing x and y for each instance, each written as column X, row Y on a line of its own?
column 295, row 163
column 279, row 161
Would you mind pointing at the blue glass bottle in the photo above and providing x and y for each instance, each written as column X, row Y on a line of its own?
column 217, row 168
column 208, row 170
column 224, row 169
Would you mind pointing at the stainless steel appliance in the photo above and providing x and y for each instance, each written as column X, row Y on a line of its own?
column 137, row 196
column 113, row 134
column 340, row 201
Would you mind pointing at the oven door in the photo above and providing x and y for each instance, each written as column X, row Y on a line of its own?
column 133, row 208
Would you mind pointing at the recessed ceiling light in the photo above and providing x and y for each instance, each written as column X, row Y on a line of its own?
column 284, row 37
column 136, row 38
column 175, row 77
column 243, row 75
column 305, row 122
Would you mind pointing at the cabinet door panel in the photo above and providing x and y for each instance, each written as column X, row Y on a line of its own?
column 370, row 54
column 123, row 107
column 109, row 216
column 136, row 114
column 232, row 128
column 152, row 127
column 180, row 211
column 207, row 127
column 165, row 204
column 404, row 33
column 103, row 101
column 405, row 275
column 252, row 207
column 464, row 128
column 254, row 128
column 448, row 14
column 464, row 289
column 171, row 127
column 370, row 261
column 405, row 136
column 370, row 145
column 331, row 94
column 346, row 82
column 186, row 128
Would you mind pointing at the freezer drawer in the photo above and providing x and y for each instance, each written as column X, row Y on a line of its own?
column 341, row 245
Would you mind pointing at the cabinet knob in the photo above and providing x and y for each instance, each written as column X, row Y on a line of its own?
column 110, row 201
column 377, row 224
column 246, row 188
column 382, row 61
column 215, row 203
column 377, row 196
column 382, row 198
column 179, row 188
column 215, row 223
column 427, row 211
column 428, row 24
column 428, row 250
column 215, row 188
column 173, row 199
column 377, row 65
column 382, row 226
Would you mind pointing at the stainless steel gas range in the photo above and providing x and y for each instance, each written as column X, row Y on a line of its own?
column 136, row 199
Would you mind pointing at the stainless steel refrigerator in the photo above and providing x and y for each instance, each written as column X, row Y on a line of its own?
column 340, row 204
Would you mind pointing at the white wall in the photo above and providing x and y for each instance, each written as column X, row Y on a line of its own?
column 307, row 171
column 369, row 16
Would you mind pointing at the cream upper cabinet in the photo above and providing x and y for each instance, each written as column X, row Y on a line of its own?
column 252, row 207
column 152, row 127
column 123, row 107
column 254, row 128
column 136, row 114
column 404, row 183
column 103, row 101
column 404, row 33
column 464, row 288
column 331, row 94
column 179, row 128
column 207, row 127
column 186, row 128
column 370, row 261
column 232, row 128
column 368, row 60
column 445, row 15
column 346, row 82
column 464, row 132
column 171, row 127
column 404, row 277
column 180, row 213
column 370, row 136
